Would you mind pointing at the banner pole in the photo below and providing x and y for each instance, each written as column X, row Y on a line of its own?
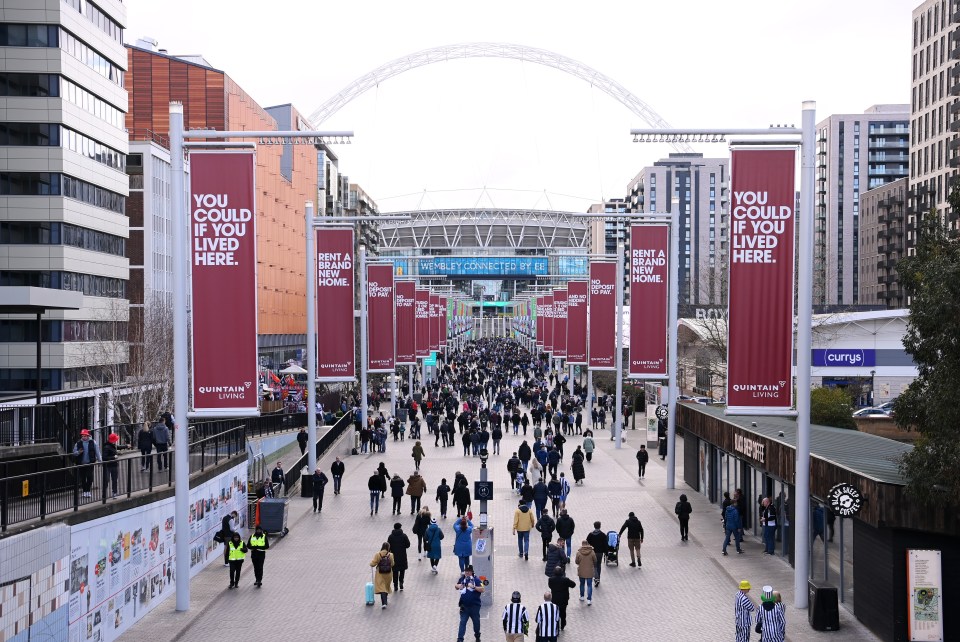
column 311, row 340
column 363, row 336
column 618, row 400
column 181, row 396
column 673, row 302
column 804, row 331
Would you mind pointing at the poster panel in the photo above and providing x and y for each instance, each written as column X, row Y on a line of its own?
column 602, row 304
column 381, row 342
column 434, row 322
column 577, row 323
column 560, row 323
column 223, row 267
column 538, row 311
column 406, row 292
column 422, row 312
column 548, row 324
column 123, row 565
column 649, row 278
column 336, row 339
column 925, row 595
column 761, row 273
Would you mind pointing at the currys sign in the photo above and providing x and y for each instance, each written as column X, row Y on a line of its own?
column 843, row 358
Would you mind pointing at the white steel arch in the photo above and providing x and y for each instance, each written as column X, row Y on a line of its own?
column 493, row 50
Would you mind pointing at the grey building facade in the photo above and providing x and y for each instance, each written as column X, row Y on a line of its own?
column 882, row 241
column 855, row 153
column 63, row 187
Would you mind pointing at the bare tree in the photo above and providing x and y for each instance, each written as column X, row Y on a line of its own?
column 130, row 350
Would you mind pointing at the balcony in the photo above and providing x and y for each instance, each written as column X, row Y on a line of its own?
column 889, row 158
column 954, row 89
column 884, row 233
column 954, row 162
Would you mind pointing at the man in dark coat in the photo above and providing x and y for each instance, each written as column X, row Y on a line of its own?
column 546, row 526
column 302, row 438
column 598, row 540
column 337, row 469
column 278, row 477
column 560, row 586
column 399, row 543
column 319, row 482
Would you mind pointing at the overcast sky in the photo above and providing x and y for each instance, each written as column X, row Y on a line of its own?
column 534, row 136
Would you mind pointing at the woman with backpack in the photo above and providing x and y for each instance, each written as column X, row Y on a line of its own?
column 683, row 510
column 382, row 564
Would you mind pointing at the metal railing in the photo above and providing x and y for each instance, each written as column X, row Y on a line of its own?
column 37, row 495
column 324, row 443
column 31, row 425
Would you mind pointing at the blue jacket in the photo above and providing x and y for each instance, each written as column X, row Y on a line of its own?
column 434, row 535
column 732, row 518
column 541, row 456
column 553, row 457
column 462, row 545
column 540, row 494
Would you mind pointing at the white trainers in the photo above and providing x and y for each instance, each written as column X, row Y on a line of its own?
column 589, row 602
column 433, row 569
column 419, row 557
column 581, row 598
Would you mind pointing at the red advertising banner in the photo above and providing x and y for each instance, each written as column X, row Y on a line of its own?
column 602, row 301
column 548, row 323
column 540, row 321
column 381, row 343
column 434, row 322
column 649, row 281
column 223, row 258
column 760, row 300
column 560, row 323
column 406, row 293
column 577, row 323
column 335, row 305
column 422, row 312
column 444, row 316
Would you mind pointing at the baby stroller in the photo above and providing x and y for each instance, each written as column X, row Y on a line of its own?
column 613, row 548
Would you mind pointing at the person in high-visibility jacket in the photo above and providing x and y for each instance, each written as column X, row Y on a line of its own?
column 258, row 545
column 236, row 553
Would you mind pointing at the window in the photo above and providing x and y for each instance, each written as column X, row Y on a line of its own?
column 90, row 57
column 88, row 102
column 31, row 85
column 98, row 17
column 24, row 35
column 29, row 134
column 50, row 184
column 89, row 284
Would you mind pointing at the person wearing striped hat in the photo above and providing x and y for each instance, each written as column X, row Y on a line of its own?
column 742, row 609
column 771, row 617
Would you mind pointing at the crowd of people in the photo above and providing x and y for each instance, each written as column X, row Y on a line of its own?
column 479, row 394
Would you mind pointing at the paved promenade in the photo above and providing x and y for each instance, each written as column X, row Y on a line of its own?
column 313, row 578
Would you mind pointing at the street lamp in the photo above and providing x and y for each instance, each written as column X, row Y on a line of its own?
column 873, row 374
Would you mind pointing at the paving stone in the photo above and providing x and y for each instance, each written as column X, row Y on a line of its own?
column 314, row 577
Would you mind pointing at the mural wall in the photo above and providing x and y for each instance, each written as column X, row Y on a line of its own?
column 123, row 565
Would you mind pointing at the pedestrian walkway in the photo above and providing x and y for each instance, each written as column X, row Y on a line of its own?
column 314, row 578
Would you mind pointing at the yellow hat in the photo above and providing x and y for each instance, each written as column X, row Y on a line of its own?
column 744, row 585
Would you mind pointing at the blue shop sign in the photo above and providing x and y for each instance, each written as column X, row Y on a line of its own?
column 483, row 266
column 844, row 358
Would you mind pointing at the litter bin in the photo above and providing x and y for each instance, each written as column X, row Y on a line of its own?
column 273, row 515
column 823, row 611
column 306, row 482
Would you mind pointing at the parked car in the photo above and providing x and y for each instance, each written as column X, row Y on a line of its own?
column 871, row 412
column 888, row 405
column 704, row 401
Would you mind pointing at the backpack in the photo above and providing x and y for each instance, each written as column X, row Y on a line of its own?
column 383, row 565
